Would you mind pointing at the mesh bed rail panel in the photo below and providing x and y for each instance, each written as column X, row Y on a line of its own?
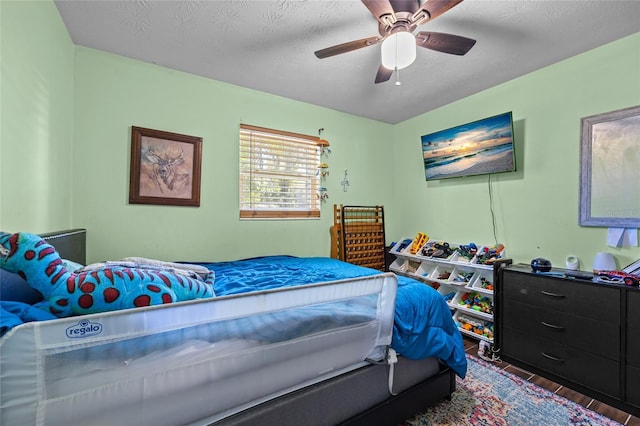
column 180, row 363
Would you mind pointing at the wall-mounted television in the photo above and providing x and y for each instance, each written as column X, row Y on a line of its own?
column 481, row 147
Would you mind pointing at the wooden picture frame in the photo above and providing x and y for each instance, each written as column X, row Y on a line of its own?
column 165, row 168
column 610, row 169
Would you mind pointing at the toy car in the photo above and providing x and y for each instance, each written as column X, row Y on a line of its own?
column 618, row 277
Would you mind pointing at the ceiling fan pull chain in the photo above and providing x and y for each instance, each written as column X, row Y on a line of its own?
column 397, row 70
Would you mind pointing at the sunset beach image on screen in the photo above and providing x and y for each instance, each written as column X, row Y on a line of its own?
column 481, row 147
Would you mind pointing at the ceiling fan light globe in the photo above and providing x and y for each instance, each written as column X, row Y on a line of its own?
column 398, row 50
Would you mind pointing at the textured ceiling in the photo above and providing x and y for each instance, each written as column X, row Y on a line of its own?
column 269, row 45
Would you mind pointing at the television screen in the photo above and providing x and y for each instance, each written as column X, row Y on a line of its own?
column 481, row 147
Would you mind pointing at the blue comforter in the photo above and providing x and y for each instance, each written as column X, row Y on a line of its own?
column 423, row 326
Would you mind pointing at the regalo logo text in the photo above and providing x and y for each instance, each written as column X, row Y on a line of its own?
column 84, row 328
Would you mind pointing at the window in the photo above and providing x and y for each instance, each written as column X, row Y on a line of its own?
column 278, row 174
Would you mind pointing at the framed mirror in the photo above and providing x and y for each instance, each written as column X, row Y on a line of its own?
column 610, row 169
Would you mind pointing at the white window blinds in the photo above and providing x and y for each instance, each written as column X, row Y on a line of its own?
column 278, row 174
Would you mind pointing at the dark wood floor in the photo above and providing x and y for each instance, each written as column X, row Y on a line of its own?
column 471, row 347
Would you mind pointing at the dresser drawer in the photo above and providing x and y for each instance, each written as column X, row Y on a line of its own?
column 633, row 346
column 633, row 328
column 633, row 386
column 633, row 308
column 582, row 299
column 575, row 365
column 587, row 334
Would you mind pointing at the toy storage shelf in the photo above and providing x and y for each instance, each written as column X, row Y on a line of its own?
column 466, row 285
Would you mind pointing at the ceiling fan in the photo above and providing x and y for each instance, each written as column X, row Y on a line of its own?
column 397, row 19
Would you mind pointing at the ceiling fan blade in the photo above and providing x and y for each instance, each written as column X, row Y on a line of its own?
column 381, row 10
column 383, row 74
column 432, row 9
column 347, row 47
column 442, row 42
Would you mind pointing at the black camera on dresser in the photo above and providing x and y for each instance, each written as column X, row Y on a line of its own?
column 579, row 333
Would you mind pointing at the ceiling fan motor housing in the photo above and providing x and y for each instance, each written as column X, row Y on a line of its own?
column 402, row 23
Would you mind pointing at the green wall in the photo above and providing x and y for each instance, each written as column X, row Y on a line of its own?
column 67, row 112
column 536, row 208
column 114, row 93
column 36, row 118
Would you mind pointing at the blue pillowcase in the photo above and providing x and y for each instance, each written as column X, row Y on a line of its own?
column 15, row 289
column 13, row 314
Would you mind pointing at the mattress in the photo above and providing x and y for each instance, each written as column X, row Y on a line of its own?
column 422, row 326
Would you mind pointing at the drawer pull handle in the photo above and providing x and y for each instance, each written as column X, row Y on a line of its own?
column 546, row 293
column 553, row 358
column 555, row 327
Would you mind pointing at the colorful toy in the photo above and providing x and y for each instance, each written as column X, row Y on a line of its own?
column 418, row 242
column 440, row 250
column 467, row 252
column 486, row 284
column 404, row 244
column 462, row 277
column 488, row 255
column 444, row 275
column 472, row 325
column 477, row 302
column 617, row 277
column 108, row 288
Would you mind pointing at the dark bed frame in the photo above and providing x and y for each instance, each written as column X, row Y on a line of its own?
column 70, row 244
column 360, row 396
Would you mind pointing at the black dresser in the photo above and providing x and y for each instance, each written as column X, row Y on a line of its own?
column 581, row 334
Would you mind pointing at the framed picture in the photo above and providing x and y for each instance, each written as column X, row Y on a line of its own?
column 610, row 169
column 481, row 147
column 165, row 168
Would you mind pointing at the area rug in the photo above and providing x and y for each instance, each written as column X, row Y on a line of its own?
column 493, row 397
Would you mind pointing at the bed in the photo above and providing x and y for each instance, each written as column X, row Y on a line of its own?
column 319, row 349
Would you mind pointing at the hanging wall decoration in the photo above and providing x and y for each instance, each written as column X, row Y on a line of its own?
column 165, row 168
column 323, row 168
column 345, row 182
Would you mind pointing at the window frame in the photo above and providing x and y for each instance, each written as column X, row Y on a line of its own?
column 248, row 208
